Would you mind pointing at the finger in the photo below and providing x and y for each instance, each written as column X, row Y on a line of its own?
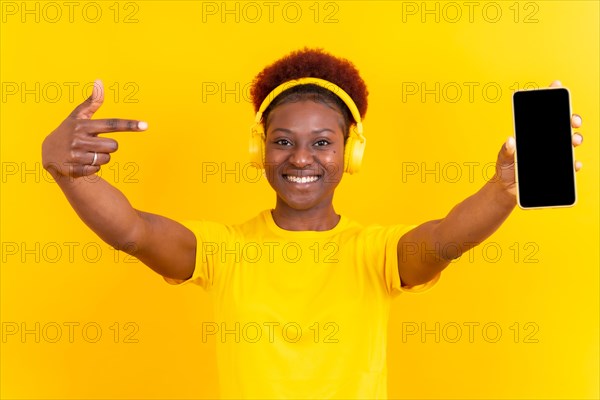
column 576, row 121
column 556, row 83
column 81, row 158
column 97, row 126
column 578, row 165
column 83, row 170
column 97, row 144
column 577, row 139
column 507, row 153
column 96, row 159
column 90, row 105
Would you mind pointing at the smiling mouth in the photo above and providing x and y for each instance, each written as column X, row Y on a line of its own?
column 301, row 179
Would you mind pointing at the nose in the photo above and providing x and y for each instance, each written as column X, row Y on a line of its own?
column 301, row 156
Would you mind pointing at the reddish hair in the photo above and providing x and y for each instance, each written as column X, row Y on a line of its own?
column 315, row 63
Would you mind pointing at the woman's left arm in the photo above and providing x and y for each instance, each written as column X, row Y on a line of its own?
column 427, row 249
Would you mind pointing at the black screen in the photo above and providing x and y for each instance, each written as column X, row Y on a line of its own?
column 545, row 169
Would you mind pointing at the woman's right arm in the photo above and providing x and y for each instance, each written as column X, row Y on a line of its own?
column 162, row 244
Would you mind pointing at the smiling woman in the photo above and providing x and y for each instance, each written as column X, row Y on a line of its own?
column 304, row 158
column 302, row 294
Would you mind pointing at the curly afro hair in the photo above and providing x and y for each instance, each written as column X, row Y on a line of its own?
column 314, row 63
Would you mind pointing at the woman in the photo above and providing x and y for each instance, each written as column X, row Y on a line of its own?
column 301, row 293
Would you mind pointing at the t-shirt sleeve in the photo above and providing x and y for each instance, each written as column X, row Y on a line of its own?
column 210, row 236
column 392, row 275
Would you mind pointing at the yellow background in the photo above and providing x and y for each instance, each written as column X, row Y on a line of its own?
column 534, row 287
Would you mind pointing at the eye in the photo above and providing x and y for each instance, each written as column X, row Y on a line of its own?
column 322, row 142
column 283, row 142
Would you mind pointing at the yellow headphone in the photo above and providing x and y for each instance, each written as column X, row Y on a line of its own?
column 355, row 144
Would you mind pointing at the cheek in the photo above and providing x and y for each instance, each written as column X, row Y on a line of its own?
column 333, row 157
column 271, row 169
column 334, row 162
column 273, row 158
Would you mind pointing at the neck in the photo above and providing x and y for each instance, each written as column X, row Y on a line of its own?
column 315, row 219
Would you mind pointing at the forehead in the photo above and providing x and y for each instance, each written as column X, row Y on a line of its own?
column 305, row 114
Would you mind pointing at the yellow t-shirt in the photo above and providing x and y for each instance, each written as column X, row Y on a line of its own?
column 299, row 314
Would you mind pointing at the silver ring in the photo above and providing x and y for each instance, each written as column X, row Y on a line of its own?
column 95, row 159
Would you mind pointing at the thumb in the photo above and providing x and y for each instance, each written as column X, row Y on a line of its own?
column 556, row 83
column 506, row 156
column 87, row 109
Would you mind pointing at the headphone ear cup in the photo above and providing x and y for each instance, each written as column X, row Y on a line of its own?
column 353, row 153
column 257, row 146
column 348, row 153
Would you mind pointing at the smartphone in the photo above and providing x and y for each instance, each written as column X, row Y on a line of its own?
column 544, row 159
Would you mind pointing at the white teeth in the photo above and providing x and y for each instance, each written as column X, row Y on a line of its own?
column 301, row 179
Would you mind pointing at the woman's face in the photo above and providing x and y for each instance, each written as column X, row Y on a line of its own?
column 304, row 153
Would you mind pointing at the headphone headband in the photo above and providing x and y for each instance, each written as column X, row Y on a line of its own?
column 332, row 87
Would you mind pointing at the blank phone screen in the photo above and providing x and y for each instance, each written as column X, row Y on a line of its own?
column 544, row 156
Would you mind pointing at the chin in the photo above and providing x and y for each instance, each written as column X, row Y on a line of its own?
column 302, row 201
column 297, row 204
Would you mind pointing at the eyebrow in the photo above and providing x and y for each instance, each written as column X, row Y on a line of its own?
column 314, row 131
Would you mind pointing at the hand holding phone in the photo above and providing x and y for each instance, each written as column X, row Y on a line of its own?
column 545, row 167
